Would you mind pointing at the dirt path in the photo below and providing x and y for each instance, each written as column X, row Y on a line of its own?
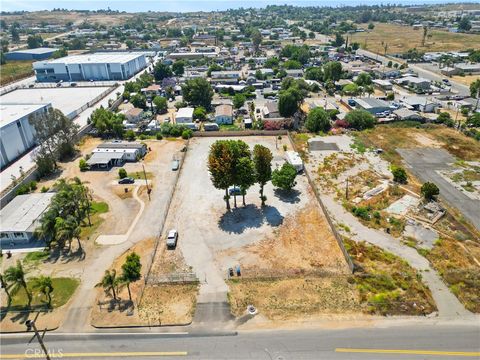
column 447, row 304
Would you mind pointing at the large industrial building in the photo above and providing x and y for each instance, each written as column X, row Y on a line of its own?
column 30, row 54
column 86, row 67
column 17, row 134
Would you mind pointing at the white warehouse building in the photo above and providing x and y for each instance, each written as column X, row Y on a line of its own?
column 85, row 67
column 17, row 135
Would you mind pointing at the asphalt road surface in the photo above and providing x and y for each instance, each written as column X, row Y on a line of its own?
column 433, row 341
column 425, row 162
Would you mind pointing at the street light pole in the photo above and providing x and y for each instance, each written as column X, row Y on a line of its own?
column 146, row 181
column 31, row 324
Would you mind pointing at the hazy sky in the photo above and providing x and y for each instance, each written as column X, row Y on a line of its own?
column 188, row 5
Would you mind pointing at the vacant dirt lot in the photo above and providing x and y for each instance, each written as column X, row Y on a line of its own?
column 401, row 38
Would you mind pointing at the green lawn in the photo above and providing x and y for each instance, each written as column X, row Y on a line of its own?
column 63, row 289
column 232, row 127
column 15, row 70
column 99, row 207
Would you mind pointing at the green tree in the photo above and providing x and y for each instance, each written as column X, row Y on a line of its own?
column 178, row 67
column 332, row 71
column 371, row 26
column 122, row 173
column 34, row 41
column 262, row 159
column 399, row 174
column 131, row 271
column 139, row 101
column 363, row 79
column 292, row 64
column 220, row 166
column 245, row 175
column 429, row 190
column 360, row 120
column 110, row 283
column 464, row 24
column 256, row 39
column 198, row 92
column 239, row 100
column 15, row 275
column 4, row 285
column 130, row 135
column 446, row 119
column 475, row 89
column 161, row 71
column 284, row 178
column 45, row 286
column 161, row 104
column 318, row 120
column 351, row 89
column 200, row 113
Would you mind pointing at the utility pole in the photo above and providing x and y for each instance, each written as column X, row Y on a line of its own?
column 346, row 190
column 31, row 324
column 146, row 182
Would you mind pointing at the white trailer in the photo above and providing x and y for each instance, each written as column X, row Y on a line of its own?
column 293, row 158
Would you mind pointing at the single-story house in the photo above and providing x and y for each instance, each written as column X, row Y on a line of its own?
column 134, row 115
column 103, row 160
column 419, row 104
column 415, row 82
column 224, row 114
column 152, row 91
column 383, row 84
column 406, row 114
column 270, row 110
column 295, row 73
column 184, row 115
column 372, row 105
column 20, row 217
column 133, row 150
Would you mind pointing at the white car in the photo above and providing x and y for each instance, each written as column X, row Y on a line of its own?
column 172, row 239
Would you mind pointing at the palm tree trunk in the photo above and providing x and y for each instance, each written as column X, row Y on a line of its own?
column 49, row 299
column 114, row 293
column 243, row 199
column 261, row 195
column 79, row 244
column 29, row 296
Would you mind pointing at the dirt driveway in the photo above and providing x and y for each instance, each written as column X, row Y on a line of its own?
column 212, row 239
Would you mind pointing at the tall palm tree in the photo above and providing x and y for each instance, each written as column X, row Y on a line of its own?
column 110, row 283
column 4, row 285
column 44, row 284
column 16, row 276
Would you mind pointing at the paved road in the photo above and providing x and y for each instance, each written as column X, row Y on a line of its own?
column 425, row 163
column 434, row 341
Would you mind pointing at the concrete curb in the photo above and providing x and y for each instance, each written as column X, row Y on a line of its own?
column 140, row 326
column 28, row 332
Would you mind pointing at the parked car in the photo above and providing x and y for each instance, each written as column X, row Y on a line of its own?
column 235, row 191
column 127, row 180
column 352, row 102
column 175, row 165
column 172, row 238
column 73, row 84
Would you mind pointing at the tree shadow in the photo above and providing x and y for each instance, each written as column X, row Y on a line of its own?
column 289, row 196
column 272, row 215
column 248, row 217
column 240, row 219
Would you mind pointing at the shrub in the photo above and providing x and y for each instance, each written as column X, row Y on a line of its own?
column 83, row 165
column 360, row 120
column 122, row 173
column 130, row 135
column 429, row 190
column 44, row 189
column 399, row 175
column 33, row 185
column 361, row 212
column 158, row 136
column 187, row 134
column 143, row 137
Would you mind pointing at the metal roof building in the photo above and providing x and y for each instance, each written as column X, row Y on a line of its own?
column 30, row 54
column 98, row 66
column 20, row 217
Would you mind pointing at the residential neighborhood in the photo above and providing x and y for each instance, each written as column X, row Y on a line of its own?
column 251, row 181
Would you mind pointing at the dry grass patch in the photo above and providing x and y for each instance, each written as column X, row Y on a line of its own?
column 465, row 80
column 293, row 298
column 303, row 243
column 401, row 38
column 458, row 264
column 387, row 284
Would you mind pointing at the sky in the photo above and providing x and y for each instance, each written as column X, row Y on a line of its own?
column 188, row 5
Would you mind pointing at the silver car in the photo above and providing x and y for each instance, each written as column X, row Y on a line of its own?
column 172, row 239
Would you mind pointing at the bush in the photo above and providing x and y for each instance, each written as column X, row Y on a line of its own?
column 429, row 190
column 130, row 135
column 83, row 165
column 44, row 189
column 122, row 173
column 143, row 137
column 33, row 185
column 23, row 189
column 399, row 174
column 318, row 120
column 187, row 134
column 360, row 120
column 158, row 136
column 361, row 212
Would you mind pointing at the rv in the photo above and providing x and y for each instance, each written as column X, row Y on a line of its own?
column 295, row 160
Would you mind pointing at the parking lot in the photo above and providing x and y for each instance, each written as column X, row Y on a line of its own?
column 425, row 164
column 211, row 239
